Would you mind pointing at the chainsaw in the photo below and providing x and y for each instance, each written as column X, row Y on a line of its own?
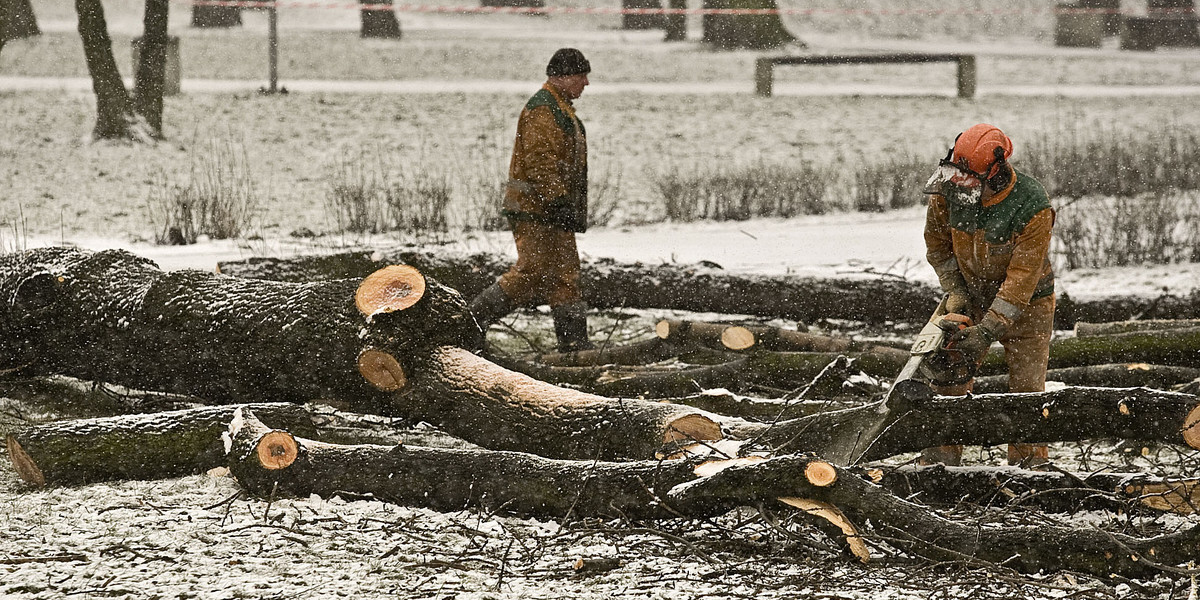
column 933, row 361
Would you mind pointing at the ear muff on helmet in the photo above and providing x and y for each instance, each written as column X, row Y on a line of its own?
column 1002, row 174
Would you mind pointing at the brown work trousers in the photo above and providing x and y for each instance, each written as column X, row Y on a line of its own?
column 1027, row 353
column 547, row 268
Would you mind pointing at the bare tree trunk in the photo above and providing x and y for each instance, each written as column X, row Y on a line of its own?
column 378, row 23
column 744, row 31
column 150, row 73
column 17, row 21
column 115, row 114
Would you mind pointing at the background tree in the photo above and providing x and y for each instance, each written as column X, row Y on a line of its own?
column 751, row 32
column 115, row 114
column 378, row 23
column 150, row 71
column 17, row 20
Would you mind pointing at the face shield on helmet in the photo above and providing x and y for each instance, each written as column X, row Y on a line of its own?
column 957, row 184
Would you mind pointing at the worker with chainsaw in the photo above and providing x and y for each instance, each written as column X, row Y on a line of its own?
column 545, row 202
column 987, row 236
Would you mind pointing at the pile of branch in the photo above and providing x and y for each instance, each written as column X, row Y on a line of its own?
column 393, row 342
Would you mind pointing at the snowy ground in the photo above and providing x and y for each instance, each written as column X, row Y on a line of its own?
column 652, row 104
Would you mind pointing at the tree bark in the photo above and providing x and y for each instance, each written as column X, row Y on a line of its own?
column 146, row 446
column 534, row 486
column 1070, row 414
column 1050, row 491
column 216, row 16
column 608, row 284
column 479, row 401
column 744, row 31
column 17, row 21
column 1119, row 376
column 150, row 73
column 1180, row 347
column 378, row 23
column 1090, row 329
column 740, row 338
column 113, row 317
column 115, row 114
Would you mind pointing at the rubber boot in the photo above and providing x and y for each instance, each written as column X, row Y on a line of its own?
column 570, row 327
column 491, row 305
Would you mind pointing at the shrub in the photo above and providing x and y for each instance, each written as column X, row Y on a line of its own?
column 1153, row 228
column 220, row 198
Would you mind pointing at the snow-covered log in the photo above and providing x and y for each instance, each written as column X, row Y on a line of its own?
column 145, row 446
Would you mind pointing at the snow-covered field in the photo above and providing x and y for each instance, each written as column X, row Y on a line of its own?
column 446, row 97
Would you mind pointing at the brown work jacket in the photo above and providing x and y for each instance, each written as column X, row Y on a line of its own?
column 548, row 172
column 1001, row 247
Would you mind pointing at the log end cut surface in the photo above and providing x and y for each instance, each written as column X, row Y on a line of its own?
column 1191, row 427
column 24, row 465
column 820, row 473
column 277, row 450
column 392, row 288
column 381, row 370
column 692, row 428
column 737, row 338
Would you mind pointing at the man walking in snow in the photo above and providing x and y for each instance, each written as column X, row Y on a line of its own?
column 546, row 204
column 987, row 236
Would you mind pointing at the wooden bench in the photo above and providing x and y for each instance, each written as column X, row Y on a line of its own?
column 764, row 68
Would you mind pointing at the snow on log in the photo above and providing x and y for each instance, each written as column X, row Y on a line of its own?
column 1051, row 491
column 740, row 338
column 1083, row 329
column 146, row 446
column 1123, row 375
column 113, row 317
column 494, row 407
column 607, row 284
column 707, row 288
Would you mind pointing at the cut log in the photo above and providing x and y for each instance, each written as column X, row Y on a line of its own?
column 741, row 337
column 1179, row 347
column 486, row 404
column 149, row 446
column 1070, row 414
column 1051, row 491
column 1089, row 329
column 381, row 369
column 639, row 353
column 703, row 288
column 1119, row 375
column 113, row 317
column 392, row 288
column 916, row 529
column 609, row 284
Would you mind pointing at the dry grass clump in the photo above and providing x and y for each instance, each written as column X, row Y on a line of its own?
column 1078, row 162
column 220, row 198
column 1152, row 228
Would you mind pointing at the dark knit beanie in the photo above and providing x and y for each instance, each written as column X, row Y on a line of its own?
column 567, row 61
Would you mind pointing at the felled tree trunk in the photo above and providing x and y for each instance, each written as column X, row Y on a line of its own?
column 1050, row 491
column 386, row 344
column 705, row 288
column 1180, row 347
column 113, row 317
column 1069, row 414
column 607, row 284
column 268, row 462
column 147, row 446
column 1083, row 329
column 1119, row 375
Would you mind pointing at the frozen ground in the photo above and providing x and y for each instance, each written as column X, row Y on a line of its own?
column 446, row 95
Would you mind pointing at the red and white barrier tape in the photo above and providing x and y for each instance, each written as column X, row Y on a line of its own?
column 612, row 10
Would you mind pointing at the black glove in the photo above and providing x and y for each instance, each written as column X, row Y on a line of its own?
column 974, row 341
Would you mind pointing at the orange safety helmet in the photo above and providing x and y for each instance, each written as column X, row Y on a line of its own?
column 981, row 149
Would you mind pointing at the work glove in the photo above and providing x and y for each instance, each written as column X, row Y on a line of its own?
column 974, row 341
column 958, row 300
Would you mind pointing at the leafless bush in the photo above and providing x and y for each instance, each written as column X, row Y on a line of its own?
column 220, row 198
column 1154, row 228
column 896, row 183
column 1077, row 162
column 418, row 201
column 354, row 197
column 605, row 197
column 741, row 193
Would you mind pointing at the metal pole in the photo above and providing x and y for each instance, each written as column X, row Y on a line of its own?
column 273, row 48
